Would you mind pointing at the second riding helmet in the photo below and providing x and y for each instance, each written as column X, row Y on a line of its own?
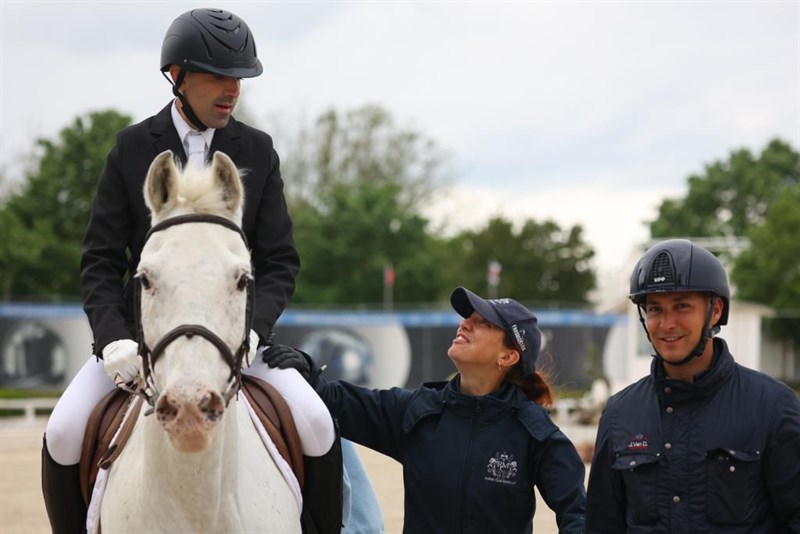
column 213, row 41
column 680, row 265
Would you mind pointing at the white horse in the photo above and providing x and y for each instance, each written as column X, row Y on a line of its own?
column 200, row 464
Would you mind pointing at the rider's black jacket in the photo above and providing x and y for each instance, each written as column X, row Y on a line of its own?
column 120, row 220
column 470, row 463
column 721, row 454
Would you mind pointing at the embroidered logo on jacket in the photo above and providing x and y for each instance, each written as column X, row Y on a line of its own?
column 502, row 468
column 639, row 442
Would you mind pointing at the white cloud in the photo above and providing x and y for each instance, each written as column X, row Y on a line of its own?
column 613, row 219
column 559, row 106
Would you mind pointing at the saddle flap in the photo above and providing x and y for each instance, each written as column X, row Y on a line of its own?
column 108, row 415
column 103, row 424
column 274, row 414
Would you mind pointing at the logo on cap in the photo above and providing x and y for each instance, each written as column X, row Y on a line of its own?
column 518, row 334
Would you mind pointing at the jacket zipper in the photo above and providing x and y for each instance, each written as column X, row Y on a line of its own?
column 465, row 478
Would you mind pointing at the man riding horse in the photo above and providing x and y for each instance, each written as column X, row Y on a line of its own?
column 204, row 55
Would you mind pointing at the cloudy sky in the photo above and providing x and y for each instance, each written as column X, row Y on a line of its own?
column 583, row 112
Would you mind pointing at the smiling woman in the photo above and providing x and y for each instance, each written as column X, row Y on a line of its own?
column 474, row 449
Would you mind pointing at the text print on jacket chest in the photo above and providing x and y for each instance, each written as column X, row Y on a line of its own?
column 639, row 442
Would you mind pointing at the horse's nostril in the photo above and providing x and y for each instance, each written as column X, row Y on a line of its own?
column 166, row 410
column 212, row 406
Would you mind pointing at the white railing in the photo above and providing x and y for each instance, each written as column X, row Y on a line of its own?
column 28, row 407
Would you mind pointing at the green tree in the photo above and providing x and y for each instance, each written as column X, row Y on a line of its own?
column 769, row 271
column 44, row 221
column 356, row 184
column 345, row 248
column 732, row 196
column 751, row 197
column 541, row 262
column 363, row 145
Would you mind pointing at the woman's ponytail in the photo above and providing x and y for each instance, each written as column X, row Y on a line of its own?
column 535, row 386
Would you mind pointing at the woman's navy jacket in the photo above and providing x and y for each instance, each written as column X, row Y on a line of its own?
column 721, row 454
column 469, row 463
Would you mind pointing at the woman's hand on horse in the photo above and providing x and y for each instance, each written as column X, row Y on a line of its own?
column 121, row 360
column 284, row 357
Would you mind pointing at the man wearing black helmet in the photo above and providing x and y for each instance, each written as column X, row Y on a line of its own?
column 702, row 444
column 205, row 52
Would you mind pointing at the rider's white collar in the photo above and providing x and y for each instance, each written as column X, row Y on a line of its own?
column 184, row 129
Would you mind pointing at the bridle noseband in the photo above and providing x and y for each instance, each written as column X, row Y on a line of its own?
column 148, row 391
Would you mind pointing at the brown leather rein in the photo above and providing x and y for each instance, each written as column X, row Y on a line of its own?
column 148, row 391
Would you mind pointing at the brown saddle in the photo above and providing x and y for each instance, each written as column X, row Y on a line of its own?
column 108, row 415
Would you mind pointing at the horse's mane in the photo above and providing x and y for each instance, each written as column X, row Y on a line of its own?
column 197, row 193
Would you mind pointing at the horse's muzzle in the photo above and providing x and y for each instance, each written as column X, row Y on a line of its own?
column 188, row 415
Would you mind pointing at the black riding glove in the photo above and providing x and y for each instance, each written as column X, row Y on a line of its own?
column 284, row 357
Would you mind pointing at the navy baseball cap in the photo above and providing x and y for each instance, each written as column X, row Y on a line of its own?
column 508, row 314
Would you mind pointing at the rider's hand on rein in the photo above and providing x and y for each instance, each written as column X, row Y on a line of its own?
column 121, row 360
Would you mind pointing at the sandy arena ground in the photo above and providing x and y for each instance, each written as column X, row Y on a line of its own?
column 22, row 508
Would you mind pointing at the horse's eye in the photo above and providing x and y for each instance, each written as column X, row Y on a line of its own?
column 243, row 280
column 143, row 280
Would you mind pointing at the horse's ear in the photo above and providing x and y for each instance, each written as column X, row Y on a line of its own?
column 161, row 184
column 227, row 177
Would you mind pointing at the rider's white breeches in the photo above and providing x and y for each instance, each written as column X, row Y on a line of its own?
column 68, row 421
column 311, row 417
column 69, row 418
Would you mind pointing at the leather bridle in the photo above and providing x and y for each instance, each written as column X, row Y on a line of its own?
column 234, row 360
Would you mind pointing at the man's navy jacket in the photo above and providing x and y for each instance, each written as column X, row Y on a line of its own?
column 721, row 454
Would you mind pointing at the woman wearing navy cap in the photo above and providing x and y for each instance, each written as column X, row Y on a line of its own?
column 473, row 448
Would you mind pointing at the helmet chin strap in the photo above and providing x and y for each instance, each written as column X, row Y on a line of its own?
column 701, row 345
column 193, row 119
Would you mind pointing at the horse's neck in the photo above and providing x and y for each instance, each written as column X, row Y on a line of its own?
column 223, row 489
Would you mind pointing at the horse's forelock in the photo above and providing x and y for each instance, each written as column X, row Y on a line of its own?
column 197, row 193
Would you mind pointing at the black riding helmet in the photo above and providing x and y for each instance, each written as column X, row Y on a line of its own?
column 208, row 40
column 680, row 265
column 211, row 40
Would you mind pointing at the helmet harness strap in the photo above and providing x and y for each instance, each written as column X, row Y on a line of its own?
column 187, row 109
column 701, row 345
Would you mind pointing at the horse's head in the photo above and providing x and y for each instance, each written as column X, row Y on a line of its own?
column 195, row 279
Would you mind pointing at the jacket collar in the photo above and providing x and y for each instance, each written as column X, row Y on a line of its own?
column 705, row 384
column 227, row 139
column 165, row 136
column 434, row 397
